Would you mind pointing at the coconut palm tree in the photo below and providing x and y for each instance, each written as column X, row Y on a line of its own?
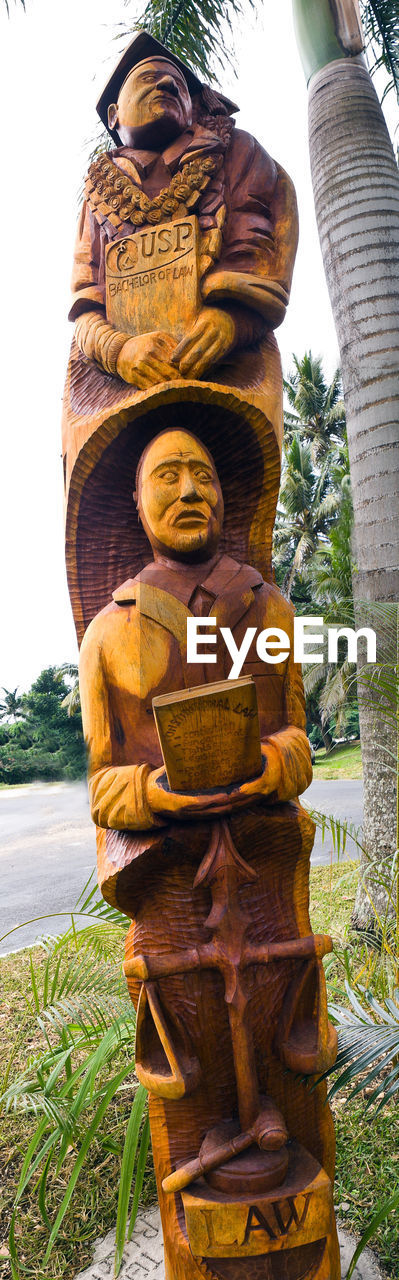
column 307, row 506
column 72, row 699
column 331, row 688
column 315, row 472
column 316, row 408
column 332, row 568
column 356, row 189
column 11, row 708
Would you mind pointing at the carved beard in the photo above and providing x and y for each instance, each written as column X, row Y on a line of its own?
column 187, row 542
column 189, row 545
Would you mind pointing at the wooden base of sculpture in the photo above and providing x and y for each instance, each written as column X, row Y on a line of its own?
column 246, row 1196
column 284, row 1227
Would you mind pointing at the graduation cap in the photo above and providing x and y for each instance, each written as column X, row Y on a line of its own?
column 142, row 47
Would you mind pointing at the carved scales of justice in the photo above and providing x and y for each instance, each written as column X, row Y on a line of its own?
column 229, row 951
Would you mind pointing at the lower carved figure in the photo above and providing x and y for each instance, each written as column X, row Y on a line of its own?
column 221, row 962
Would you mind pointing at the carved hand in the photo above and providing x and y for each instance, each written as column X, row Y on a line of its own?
column 211, row 337
column 145, row 360
column 172, row 804
column 267, row 782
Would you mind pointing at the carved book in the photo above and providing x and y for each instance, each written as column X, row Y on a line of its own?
column 209, row 735
column 154, row 272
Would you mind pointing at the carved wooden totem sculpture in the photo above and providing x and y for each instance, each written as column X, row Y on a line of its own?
column 182, row 271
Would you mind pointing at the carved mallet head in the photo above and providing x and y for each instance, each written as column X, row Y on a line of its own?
column 179, row 498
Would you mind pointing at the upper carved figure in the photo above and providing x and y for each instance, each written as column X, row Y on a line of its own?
column 183, row 264
column 178, row 153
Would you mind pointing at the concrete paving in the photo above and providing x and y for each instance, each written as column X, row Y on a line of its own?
column 143, row 1257
column 48, row 850
column 343, row 800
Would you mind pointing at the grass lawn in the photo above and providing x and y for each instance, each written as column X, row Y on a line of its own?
column 367, row 1149
column 343, row 761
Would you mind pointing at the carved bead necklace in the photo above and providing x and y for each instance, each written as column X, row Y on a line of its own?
column 113, row 196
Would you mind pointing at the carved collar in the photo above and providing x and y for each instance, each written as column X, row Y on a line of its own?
column 228, row 583
column 192, row 140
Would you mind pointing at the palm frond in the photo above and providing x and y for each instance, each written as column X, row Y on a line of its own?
column 381, row 28
column 383, row 1212
column 368, row 1045
column 198, row 31
column 314, row 677
column 15, row 1
column 77, row 1000
column 126, row 1178
column 334, row 394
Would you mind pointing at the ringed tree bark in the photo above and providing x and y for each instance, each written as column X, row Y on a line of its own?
column 356, row 191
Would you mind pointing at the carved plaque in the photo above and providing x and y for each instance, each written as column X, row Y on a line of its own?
column 152, row 280
column 297, row 1213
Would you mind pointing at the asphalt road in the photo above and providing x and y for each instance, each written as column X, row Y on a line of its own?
column 48, row 848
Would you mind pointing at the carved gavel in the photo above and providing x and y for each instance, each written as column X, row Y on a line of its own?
column 231, row 954
column 268, row 1131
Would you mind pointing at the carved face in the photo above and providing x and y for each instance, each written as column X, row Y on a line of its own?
column 180, row 500
column 154, row 105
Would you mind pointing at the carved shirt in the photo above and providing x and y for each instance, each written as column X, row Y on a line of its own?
column 136, row 649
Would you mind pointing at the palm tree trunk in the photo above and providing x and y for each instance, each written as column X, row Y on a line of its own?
column 326, row 736
column 356, row 191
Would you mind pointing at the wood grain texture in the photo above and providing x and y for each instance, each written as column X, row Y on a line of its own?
column 221, row 962
column 247, row 219
column 277, row 909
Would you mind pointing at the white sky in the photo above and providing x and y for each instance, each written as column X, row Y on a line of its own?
column 53, row 61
